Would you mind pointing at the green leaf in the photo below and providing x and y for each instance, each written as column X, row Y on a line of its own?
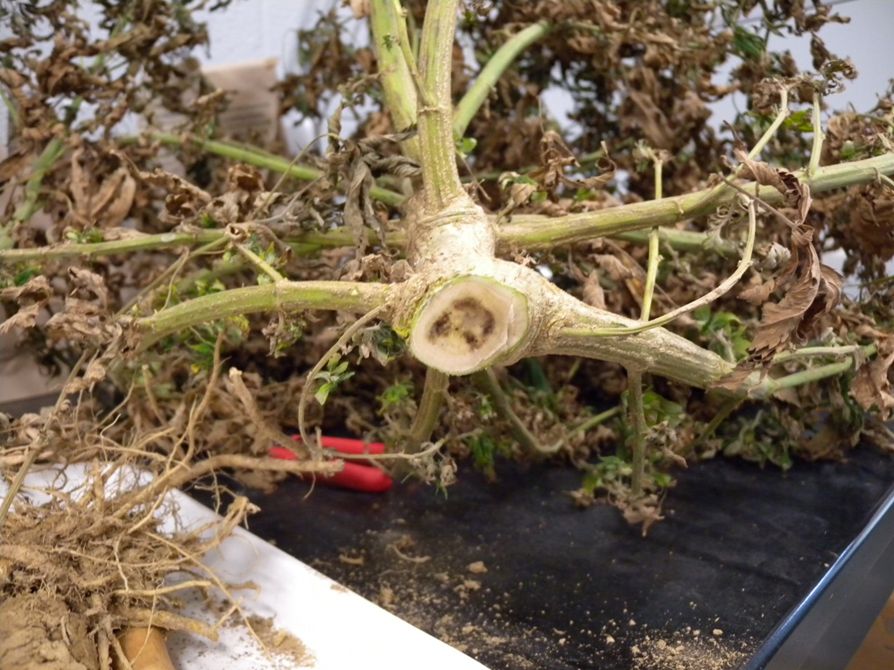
column 466, row 145
column 800, row 121
column 748, row 45
column 395, row 395
column 25, row 276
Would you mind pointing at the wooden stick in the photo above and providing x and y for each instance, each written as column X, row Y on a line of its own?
column 145, row 648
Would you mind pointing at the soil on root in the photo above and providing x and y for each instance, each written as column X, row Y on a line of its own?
column 39, row 632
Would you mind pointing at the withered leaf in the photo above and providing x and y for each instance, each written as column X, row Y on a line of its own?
column 780, row 320
column 614, row 267
column 244, row 178
column 114, row 199
column 95, row 373
column 759, row 293
column 13, row 165
column 872, row 387
column 797, row 195
column 25, row 318
column 358, row 212
column 90, row 281
column 651, row 121
column 36, row 288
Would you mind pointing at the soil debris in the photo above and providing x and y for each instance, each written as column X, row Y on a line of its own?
column 40, row 632
column 280, row 642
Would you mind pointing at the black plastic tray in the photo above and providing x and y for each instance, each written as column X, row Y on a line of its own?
column 741, row 550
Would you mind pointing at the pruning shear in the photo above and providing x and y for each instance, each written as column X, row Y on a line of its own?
column 356, row 475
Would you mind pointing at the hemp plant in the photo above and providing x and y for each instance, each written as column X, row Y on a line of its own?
column 455, row 266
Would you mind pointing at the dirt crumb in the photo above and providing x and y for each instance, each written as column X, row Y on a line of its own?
column 477, row 568
column 280, row 642
column 682, row 651
column 39, row 632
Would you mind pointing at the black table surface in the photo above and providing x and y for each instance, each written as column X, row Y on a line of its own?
column 578, row 588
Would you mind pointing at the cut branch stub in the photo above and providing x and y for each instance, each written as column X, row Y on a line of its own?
column 468, row 324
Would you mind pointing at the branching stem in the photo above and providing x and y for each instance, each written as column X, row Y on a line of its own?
column 724, row 287
column 429, row 410
column 487, row 381
column 286, row 296
column 260, row 263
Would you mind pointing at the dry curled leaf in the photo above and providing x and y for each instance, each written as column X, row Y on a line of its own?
column 872, row 386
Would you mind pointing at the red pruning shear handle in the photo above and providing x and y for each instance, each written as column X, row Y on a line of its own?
column 356, row 475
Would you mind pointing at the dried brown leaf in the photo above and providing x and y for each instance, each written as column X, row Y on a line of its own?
column 759, row 293
column 25, row 318
column 872, row 385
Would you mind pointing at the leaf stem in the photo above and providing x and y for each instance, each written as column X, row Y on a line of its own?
column 724, row 287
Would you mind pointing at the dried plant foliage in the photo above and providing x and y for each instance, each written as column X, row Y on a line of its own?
column 641, row 77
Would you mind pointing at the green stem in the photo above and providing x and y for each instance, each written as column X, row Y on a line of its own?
column 724, row 287
column 807, row 352
column 439, row 173
column 728, row 407
column 285, row 296
column 433, row 394
column 45, row 162
column 597, row 419
column 492, row 72
column 265, row 160
column 626, row 222
column 541, row 232
column 137, row 242
column 583, row 427
column 260, row 263
column 487, row 381
column 771, row 386
column 391, row 43
column 302, row 244
column 638, row 421
column 781, row 115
